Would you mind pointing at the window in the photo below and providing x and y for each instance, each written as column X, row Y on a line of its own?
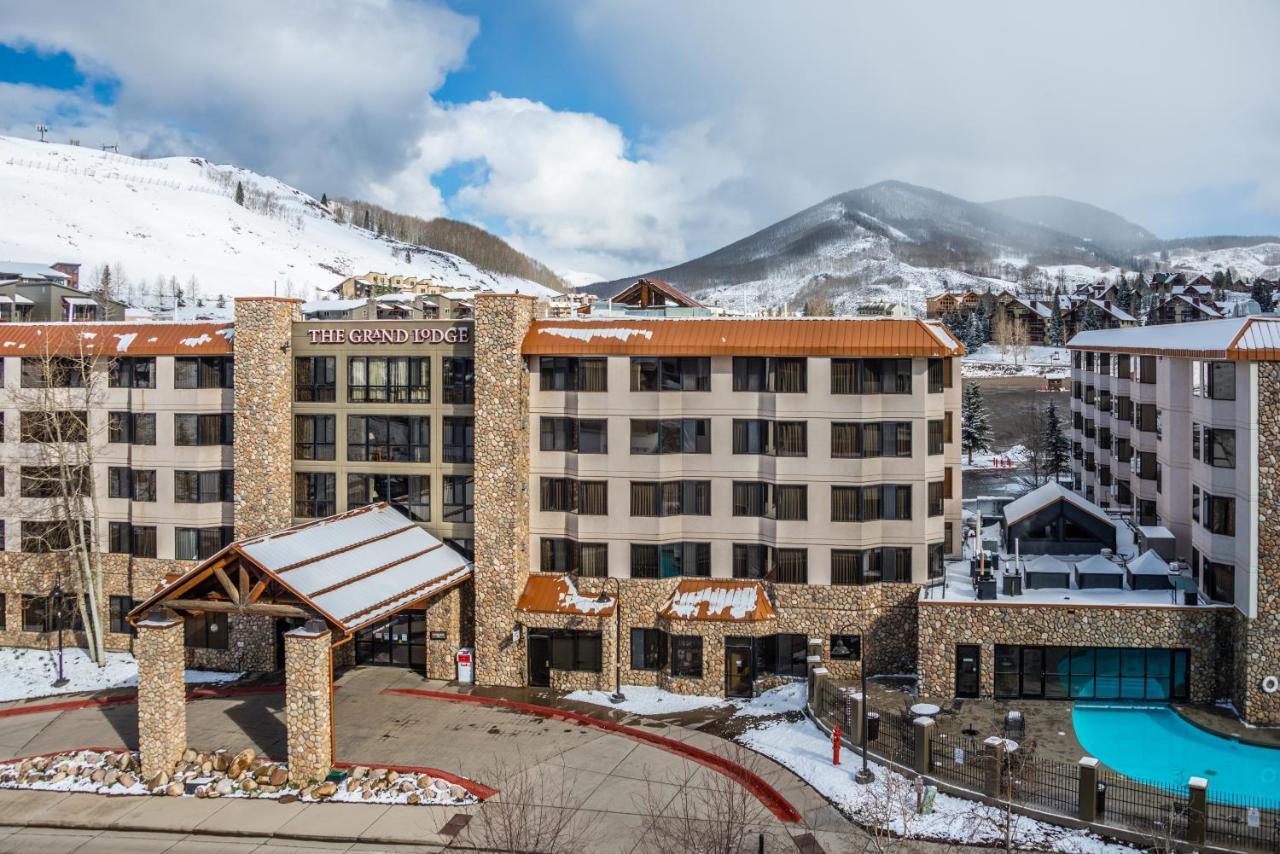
column 648, row 649
column 131, row 428
column 459, row 498
column 205, row 631
column 136, row 540
column 784, row 502
column 202, row 487
column 846, row 647
column 132, row 372
column 459, row 380
column 935, row 498
column 1220, row 582
column 946, row 483
column 780, row 654
column 314, row 494
column 871, row 376
column 564, row 373
column 670, row 373
column 459, row 439
column 389, row 379
column 1146, row 369
column 53, row 372
column 575, row 650
column 212, row 429
column 760, row 373
column 935, row 437
column 670, row 560
column 671, row 436
column 846, row 566
column 936, row 559
column 408, row 493
column 1196, row 432
column 686, row 656
column 936, row 370
column 887, row 564
column 1195, row 503
column 48, row 427
column 201, row 543
column 589, row 560
column 1146, row 468
column 120, row 606
column 314, row 437
column 1221, row 380
column 315, row 379
column 566, row 495
column 37, row 614
column 872, row 439
column 134, row 484
column 51, row 482
column 785, row 566
column 575, row 435
column 671, row 498
column 203, row 372
column 389, row 438
column 770, row 438
column 50, row 536
column 1220, row 514
column 1220, row 447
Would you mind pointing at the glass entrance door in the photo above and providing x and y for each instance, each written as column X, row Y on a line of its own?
column 738, row 655
column 400, row 641
column 967, row 670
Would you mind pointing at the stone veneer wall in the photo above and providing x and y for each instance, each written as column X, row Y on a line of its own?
column 162, row 696
column 444, row 614
column 1258, row 640
column 944, row 625
column 308, row 704
column 263, row 452
column 501, row 482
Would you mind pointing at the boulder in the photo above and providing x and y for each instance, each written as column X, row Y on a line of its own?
column 111, row 777
column 248, row 784
column 127, row 780
column 279, row 776
column 392, row 776
column 221, row 761
column 189, row 756
column 175, row 790
column 158, row 781
column 359, row 772
column 325, row 790
column 457, row 792
column 98, row 775
column 413, row 798
column 224, row 786
column 288, row 799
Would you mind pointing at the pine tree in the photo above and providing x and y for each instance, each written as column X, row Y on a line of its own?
column 408, row 257
column 1124, row 294
column 1056, row 332
column 973, row 333
column 1260, row 293
column 366, row 220
column 324, row 200
column 1090, row 321
column 975, row 421
column 239, row 194
column 222, row 300
column 1057, row 450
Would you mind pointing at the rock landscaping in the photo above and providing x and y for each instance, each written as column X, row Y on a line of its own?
column 222, row 774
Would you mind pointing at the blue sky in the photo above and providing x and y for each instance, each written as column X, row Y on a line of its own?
column 614, row 137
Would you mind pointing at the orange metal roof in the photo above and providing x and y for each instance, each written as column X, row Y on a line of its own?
column 729, row 600
column 807, row 336
column 116, row 339
column 556, row 594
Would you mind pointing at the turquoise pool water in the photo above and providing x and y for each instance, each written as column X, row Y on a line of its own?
column 1154, row 744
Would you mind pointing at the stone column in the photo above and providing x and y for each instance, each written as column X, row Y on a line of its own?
column 263, row 450
column 1256, row 640
column 923, row 742
column 162, row 696
column 308, row 703
column 992, row 765
column 501, row 483
column 1088, row 791
column 1196, row 809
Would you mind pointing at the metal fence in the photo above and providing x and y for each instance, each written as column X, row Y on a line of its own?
column 1237, row 823
column 1045, row 783
column 1159, row 812
column 895, row 739
column 959, row 760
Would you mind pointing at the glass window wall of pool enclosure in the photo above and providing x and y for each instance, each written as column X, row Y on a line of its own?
column 1091, row 673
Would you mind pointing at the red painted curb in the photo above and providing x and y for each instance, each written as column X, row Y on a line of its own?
column 766, row 794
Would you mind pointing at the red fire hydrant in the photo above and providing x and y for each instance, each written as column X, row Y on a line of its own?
column 835, row 746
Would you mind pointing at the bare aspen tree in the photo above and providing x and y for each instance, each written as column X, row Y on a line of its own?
column 533, row 811
column 58, row 499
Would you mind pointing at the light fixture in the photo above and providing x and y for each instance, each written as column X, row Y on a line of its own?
column 515, row 632
column 603, row 598
column 839, row 649
column 284, row 348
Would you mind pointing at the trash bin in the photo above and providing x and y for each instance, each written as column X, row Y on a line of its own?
column 1102, row 800
column 873, row 726
column 466, row 666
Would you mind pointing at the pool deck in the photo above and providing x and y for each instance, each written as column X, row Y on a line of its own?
column 1224, row 722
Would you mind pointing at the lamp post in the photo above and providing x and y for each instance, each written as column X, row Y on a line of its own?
column 56, row 596
column 864, row 774
column 603, row 599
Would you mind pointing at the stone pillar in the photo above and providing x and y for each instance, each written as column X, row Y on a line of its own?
column 308, row 703
column 855, row 715
column 443, row 614
column 992, row 762
column 1197, row 801
column 924, row 743
column 1087, row 794
column 162, row 696
column 263, row 451
column 501, row 483
column 1256, row 640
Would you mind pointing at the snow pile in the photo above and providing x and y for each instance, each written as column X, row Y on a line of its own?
column 592, row 333
column 646, row 700
column 1012, row 457
column 177, row 216
column 572, row 600
column 26, row 673
column 1031, row 361
column 738, row 601
column 889, row 801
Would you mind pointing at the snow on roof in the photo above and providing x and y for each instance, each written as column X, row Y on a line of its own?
column 1148, row 563
column 621, row 333
column 1046, row 563
column 24, row 270
column 1250, row 337
column 1114, row 310
column 19, row 299
column 79, row 301
column 332, row 305
column 1098, row 565
column 557, row 594
column 1042, row 497
column 162, row 339
column 730, row 600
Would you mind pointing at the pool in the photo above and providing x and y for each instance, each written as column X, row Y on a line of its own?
column 1152, row 743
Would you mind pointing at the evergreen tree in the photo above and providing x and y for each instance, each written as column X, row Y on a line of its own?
column 366, row 220
column 975, row 421
column 324, row 199
column 408, row 257
column 1055, row 332
column 239, row 194
column 1260, row 293
column 1057, row 450
column 1090, row 321
column 1124, row 294
column 222, row 300
column 1228, row 282
column 973, row 332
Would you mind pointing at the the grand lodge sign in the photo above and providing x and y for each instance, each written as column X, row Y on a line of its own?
column 459, row 334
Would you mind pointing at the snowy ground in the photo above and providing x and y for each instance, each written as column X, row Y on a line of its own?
column 989, row 361
column 26, row 673
column 644, row 700
column 889, row 802
column 1009, row 459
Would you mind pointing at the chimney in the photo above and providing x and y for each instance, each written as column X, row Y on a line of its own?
column 1106, row 303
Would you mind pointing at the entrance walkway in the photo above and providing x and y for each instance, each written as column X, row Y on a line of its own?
column 610, row 778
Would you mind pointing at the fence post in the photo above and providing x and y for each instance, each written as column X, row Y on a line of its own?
column 816, row 675
column 992, row 754
column 923, row 741
column 1087, row 795
column 853, row 707
column 1197, row 804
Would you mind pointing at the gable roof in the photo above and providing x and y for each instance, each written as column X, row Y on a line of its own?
column 1149, row 563
column 29, row 271
column 1098, row 565
column 353, row 568
column 730, row 600
column 667, row 289
column 1046, row 563
column 704, row 336
column 1038, row 499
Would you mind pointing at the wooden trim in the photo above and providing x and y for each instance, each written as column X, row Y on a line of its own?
column 269, row 609
column 232, row 593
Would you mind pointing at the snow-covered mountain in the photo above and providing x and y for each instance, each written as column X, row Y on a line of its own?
column 899, row 243
column 178, row 217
